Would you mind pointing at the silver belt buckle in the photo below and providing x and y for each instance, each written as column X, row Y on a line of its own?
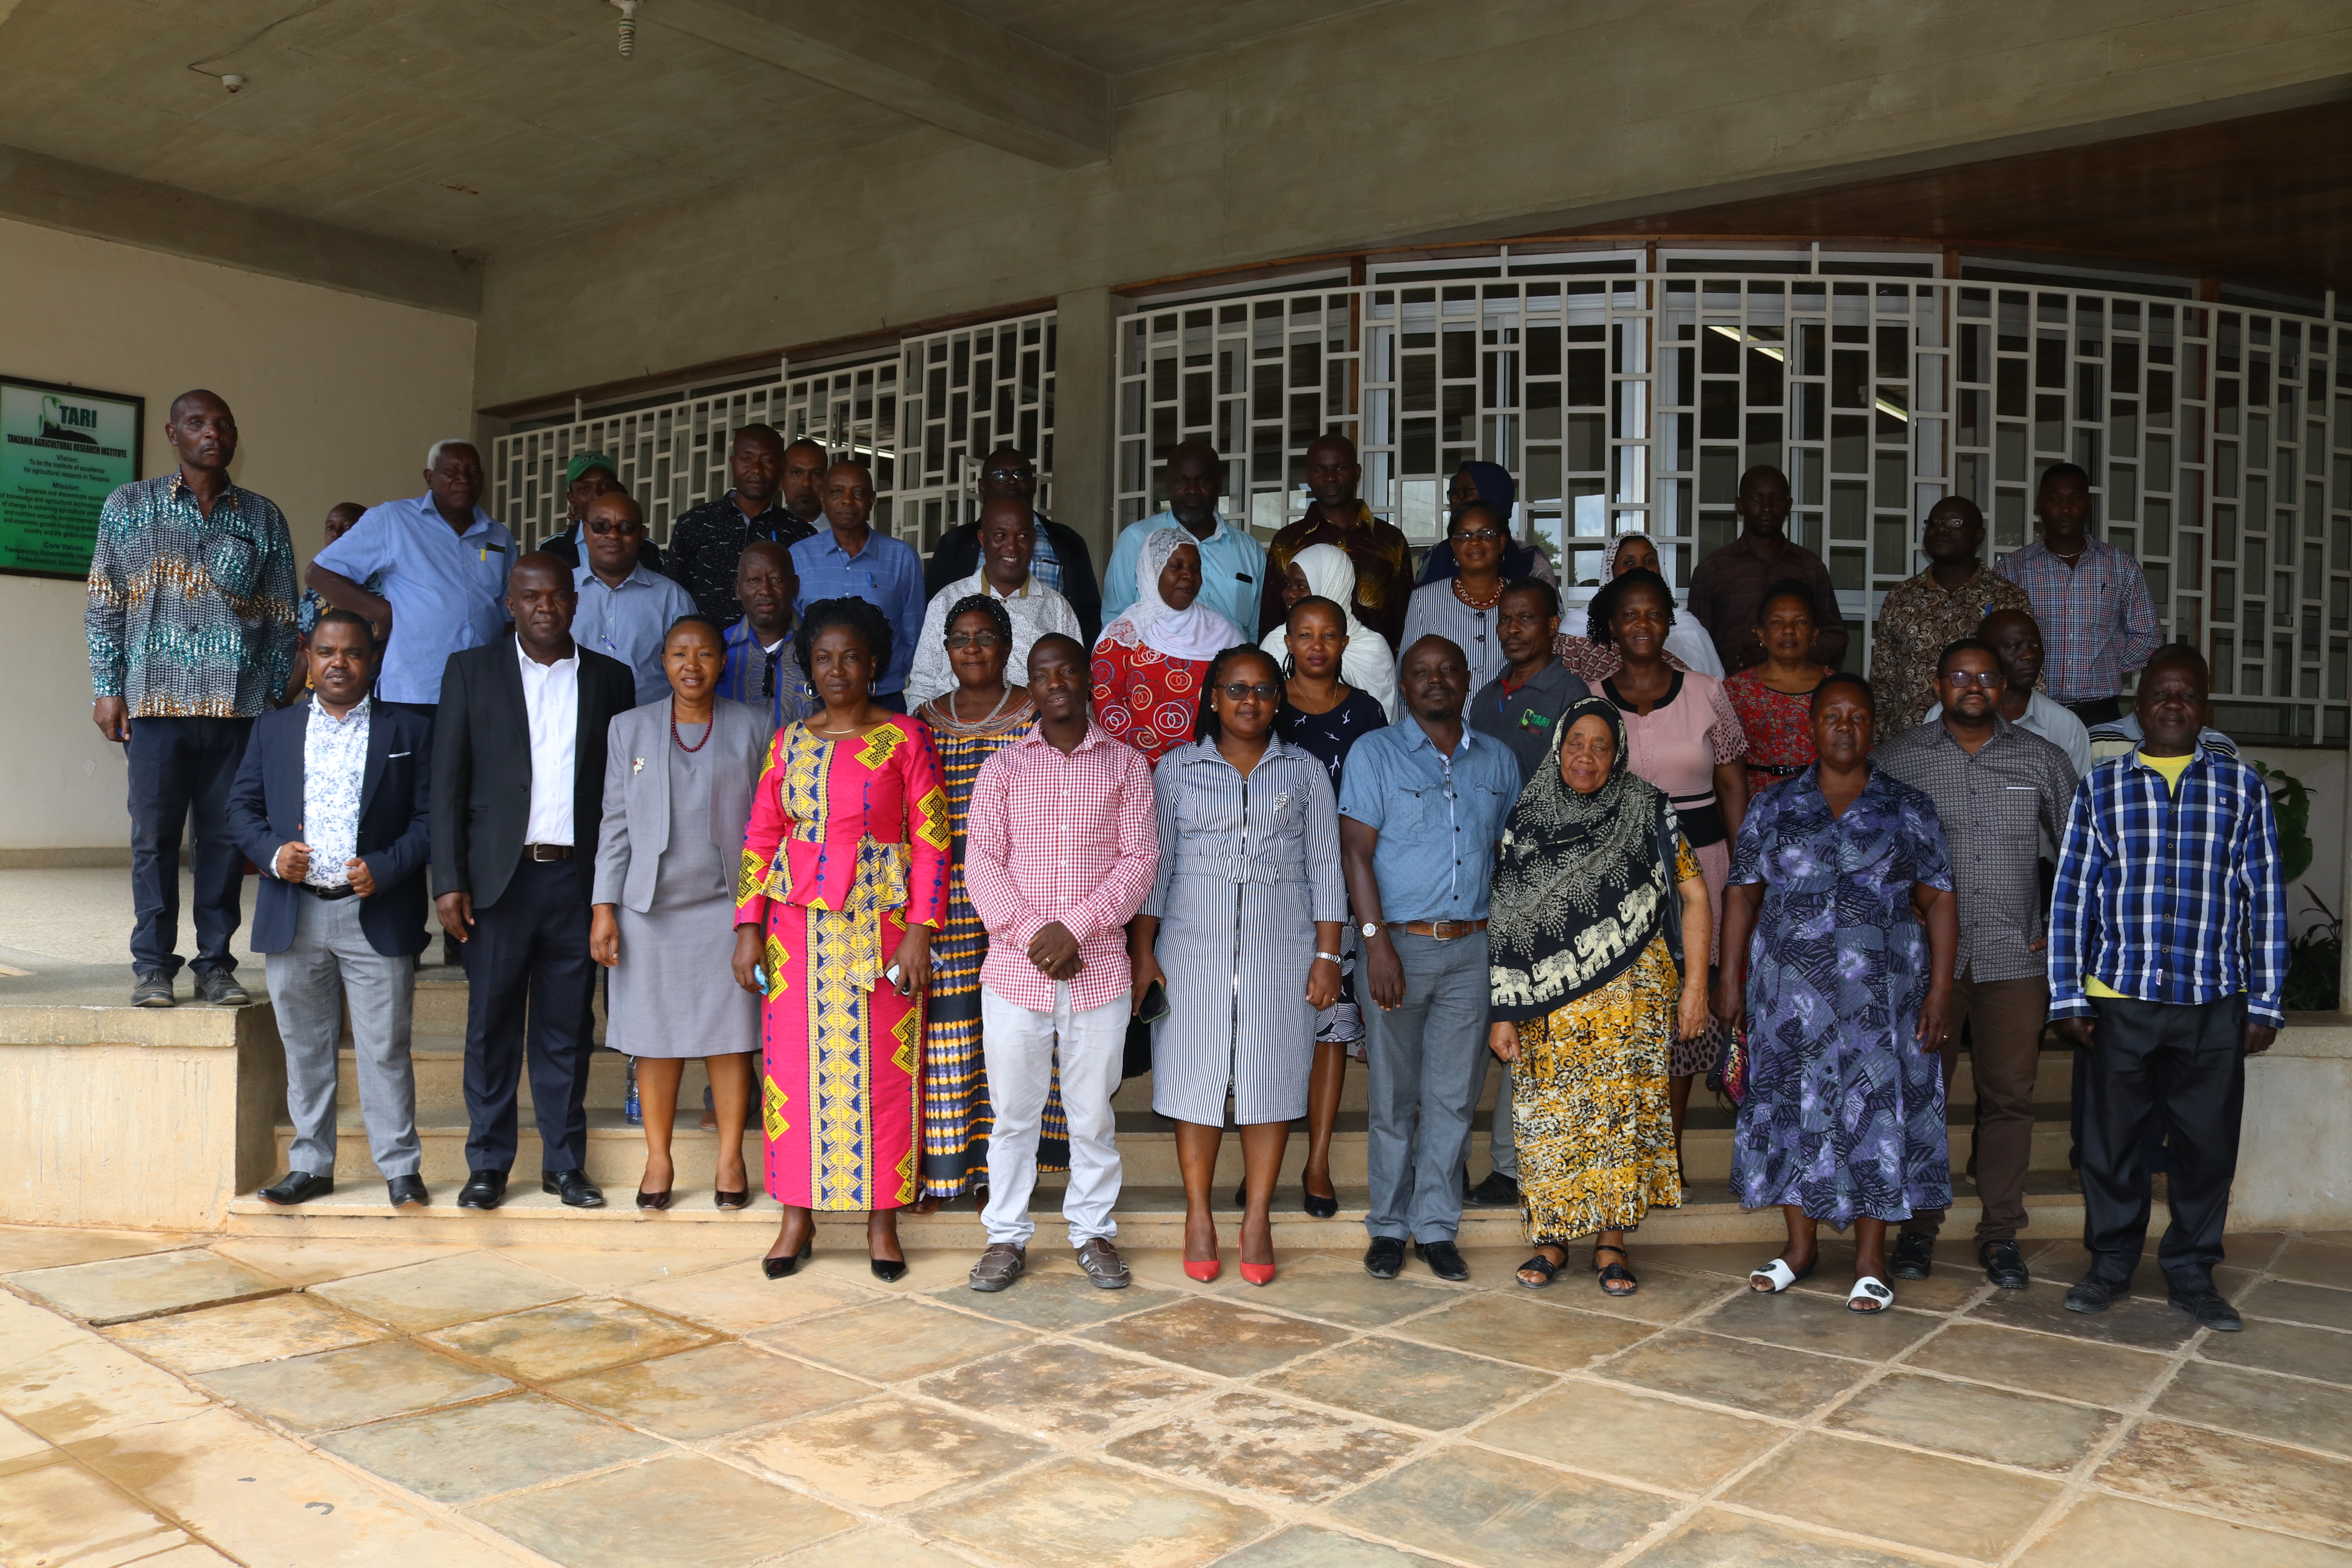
column 1444, row 931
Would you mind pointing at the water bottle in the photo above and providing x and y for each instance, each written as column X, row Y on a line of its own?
column 631, row 1111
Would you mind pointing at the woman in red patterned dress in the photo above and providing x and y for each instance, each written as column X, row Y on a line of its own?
column 1775, row 699
column 1149, row 664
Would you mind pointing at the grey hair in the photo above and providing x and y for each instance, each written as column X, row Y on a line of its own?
column 433, row 453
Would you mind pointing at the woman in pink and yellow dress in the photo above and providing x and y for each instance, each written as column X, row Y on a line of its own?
column 844, row 883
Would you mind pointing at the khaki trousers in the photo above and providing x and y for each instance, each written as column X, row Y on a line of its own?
column 2004, row 1019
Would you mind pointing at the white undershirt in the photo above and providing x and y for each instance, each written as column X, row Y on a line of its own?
column 551, row 694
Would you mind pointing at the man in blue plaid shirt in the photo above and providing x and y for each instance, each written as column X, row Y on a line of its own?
column 2168, row 954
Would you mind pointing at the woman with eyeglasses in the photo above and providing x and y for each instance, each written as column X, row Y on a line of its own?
column 1008, row 543
column 1462, row 607
column 1243, row 927
column 1148, row 665
column 986, row 712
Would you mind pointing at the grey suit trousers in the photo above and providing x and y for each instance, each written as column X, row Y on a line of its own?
column 1427, row 1061
column 330, row 961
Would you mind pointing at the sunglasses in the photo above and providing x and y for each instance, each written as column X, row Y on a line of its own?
column 1987, row 678
column 600, row 526
column 1264, row 691
column 974, row 639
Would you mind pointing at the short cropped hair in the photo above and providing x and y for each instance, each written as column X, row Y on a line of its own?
column 858, row 616
column 1960, row 646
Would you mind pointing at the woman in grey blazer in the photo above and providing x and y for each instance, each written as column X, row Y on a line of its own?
column 679, row 774
column 1242, row 924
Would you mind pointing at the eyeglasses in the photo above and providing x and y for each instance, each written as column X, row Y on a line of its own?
column 1264, row 691
column 1477, row 536
column 1987, row 678
column 974, row 639
column 596, row 525
column 1007, row 474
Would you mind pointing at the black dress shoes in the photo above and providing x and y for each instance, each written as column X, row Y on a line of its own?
column 1444, row 1259
column 296, row 1187
column 1914, row 1255
column 2095, row 1295
column 483, row 1190
column 1496, row 1192
column 574, row 1187
column 407, row 1191
column 1384, row 1257
column 1318, row 1207
column 2004, row 1265
column 777, row 1267
column 2208, row 1307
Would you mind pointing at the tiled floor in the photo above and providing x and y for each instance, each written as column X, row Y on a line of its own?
column 172, row 1402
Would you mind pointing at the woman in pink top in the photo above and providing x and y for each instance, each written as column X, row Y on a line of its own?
column 1684, row 739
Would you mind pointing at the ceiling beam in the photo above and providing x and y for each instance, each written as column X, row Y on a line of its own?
column 925, row 58
column 54, row 194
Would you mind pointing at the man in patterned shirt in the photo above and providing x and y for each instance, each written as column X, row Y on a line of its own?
column 1940, row 606
column 2090, row 598
column 706, row 543
column 1378, row 550
column 191, row 626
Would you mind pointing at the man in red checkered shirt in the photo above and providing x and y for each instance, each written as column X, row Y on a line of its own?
column 1061, row 842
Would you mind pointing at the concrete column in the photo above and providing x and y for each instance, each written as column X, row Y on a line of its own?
column 1085, row 372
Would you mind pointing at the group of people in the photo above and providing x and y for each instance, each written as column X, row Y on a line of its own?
column 920, row 865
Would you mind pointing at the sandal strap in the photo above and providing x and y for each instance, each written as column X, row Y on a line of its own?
column 1777, row 1271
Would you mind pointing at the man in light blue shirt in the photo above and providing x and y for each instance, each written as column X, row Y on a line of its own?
column 1422, row 805
column 444, row 564
column 849, row 560
column 1232, row 563
column 626, row 611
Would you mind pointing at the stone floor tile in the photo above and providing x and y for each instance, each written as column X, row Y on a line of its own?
column 927, row 1268
column 343, row 1388
column 446, row 1291
column 23, row 1246
column 871, row 1548
column 710, row 1392
column 1823, row 1324
column 207, row 1473
column 1057, row 1389
column 618, row 1268
column 1057, row 1298
column 2290, row 1348
column 569, row 1339
column 1975, row 1422
column 1734, row 1261
column 1614, row 1432
column 1715, row 1538
column 1307, row 1546
column 18, row 1445
column 1413, row 1386
column 1666, row 1296
column 1340, row 1293
column 900, row 1338
column 1766, row 1379
column 701, row 1512
column 89, row 1388
column 2040, row 1363
column 2285, row 1409
column 1911, row 1500
column 2106, row 1531
column 2315, row 1263
column 886, row 1452
column 1951, row 1285
column 59, row 1513
column 739, row 1300
column 1231, row 1339
column 266, row 1330
column 1491, row 1509
column 473, row 1451
column 1083, row 1513
column 301, row 1264
column 2236, row 1478
column 189, row 1556
column 27, row 1330
column 1253, row 1442
column 2318, row 1306
column 118, row 1290
column 2142, row 1322
column 1556, row 1339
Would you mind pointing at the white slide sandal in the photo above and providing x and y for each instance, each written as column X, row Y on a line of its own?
column 1777, row 1276
column 1869, row 1287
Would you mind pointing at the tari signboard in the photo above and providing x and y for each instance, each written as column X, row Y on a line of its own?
column 63, row 451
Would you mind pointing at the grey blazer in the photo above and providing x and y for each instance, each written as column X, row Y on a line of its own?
column 637, row 800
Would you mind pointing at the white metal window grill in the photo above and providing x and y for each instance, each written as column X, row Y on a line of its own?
column 964, row 394
column 2213, row 435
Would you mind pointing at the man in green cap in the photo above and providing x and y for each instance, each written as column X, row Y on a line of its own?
column 587, row 476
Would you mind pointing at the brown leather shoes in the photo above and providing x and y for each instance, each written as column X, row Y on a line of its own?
column 998, row 1267
column 1103, row 1265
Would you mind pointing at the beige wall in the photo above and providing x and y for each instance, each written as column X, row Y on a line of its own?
column 337, row 397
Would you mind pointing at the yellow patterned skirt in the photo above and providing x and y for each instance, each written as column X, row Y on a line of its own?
column 1589, row 1104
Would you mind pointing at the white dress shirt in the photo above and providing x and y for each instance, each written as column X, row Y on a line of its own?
column 551, row 694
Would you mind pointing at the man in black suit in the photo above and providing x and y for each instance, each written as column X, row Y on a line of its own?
column 332, row 801
column 1060, row 559
column 518, row 792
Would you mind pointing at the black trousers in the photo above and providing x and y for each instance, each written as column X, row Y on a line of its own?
column 180, row 766
column 2097, row 709
column 529, row 980
column 2188, row 1063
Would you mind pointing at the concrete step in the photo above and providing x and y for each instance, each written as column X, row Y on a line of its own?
column 1147, row 1217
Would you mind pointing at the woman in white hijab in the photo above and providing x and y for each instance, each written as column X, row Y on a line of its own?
column 1150, row 663
column 1325, row 571
column 1688, row 644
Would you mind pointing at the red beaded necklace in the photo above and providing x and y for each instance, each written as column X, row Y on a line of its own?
column 710, row 725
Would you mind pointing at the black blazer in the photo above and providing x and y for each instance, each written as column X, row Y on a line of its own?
column 265, row 813
column 481, row 766
column 957, row 557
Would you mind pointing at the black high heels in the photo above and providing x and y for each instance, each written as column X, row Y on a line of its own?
column 888, row 1271
column 777, row 1267
column 732, row 1201
column 1320, row 1208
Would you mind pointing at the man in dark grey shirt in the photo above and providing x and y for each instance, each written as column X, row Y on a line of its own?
column 1994, row 784
column 1519, row 708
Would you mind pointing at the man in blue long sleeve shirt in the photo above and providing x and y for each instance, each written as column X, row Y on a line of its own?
column 2167, row 954
column 1232, row 563
column 847, row 560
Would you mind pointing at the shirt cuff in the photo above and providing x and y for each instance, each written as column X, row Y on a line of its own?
column 2075, row 1007
column 2260, row 1013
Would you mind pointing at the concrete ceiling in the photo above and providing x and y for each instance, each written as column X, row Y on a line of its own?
column 468, row 126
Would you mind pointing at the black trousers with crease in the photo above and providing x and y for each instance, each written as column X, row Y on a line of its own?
column 2187, row 1063
column 529, row 985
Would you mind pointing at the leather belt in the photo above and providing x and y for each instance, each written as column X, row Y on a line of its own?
column 329, row 895
column 547, row 851
column 1443, row 931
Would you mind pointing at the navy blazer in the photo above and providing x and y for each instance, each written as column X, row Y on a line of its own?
column 265, row 812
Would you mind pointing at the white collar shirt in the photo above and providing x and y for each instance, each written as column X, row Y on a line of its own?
column 551, row 696
column 334, row 769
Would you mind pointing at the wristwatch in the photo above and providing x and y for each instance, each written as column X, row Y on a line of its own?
column 1370, row 930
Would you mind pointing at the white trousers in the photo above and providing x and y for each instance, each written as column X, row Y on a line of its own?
column 1018, row 1045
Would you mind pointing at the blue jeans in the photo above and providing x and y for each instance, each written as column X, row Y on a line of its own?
column 179, row 766
column 1428, row 1058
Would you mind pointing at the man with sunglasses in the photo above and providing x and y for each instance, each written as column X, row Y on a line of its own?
column 626, row 611
column 1999, row 790
column 1058, row 557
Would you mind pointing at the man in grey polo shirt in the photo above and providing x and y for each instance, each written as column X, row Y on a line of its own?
column 1421, row 807
column 1994, row 784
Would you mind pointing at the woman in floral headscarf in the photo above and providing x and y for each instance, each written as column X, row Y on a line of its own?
column 1149, row 664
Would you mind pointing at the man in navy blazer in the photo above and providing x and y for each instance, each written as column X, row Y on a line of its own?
column 333, row 803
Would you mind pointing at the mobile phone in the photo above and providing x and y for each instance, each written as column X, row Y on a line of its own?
column 1155, row 1003
column 897, row 984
